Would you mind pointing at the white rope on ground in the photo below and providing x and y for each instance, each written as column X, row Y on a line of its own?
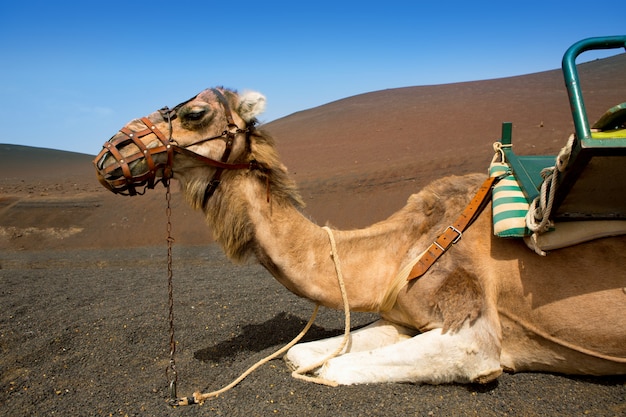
column 199, row 398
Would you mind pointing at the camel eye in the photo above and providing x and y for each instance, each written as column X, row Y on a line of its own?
column 195, row 114
column 195, row 117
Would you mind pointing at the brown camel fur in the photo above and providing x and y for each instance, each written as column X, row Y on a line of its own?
column 488, row 304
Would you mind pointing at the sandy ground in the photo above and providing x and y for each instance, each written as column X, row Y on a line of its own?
column 83, row 284
column 85, row 333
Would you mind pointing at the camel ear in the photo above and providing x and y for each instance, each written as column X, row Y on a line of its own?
column 251, row 104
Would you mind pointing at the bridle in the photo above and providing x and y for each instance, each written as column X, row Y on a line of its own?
column 131, row 184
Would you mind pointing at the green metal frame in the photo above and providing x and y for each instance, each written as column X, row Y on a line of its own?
column 585, row 147
column 572, row 83
column 527, row 169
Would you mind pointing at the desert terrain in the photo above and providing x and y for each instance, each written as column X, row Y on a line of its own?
column 83, row 279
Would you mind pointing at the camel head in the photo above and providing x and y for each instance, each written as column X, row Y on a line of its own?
column 210, row 132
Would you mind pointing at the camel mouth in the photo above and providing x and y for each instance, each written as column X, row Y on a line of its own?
column 129, row 170
column 112, row 170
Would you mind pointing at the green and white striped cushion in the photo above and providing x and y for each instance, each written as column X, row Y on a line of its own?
column 509, row 204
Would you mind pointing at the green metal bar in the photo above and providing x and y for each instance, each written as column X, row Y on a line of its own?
column 570, row 73
column 527, row 169
column 507, row 130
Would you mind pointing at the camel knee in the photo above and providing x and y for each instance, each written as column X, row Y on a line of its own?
column 374, row 336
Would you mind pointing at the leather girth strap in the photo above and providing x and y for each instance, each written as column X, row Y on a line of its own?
column 454, row 232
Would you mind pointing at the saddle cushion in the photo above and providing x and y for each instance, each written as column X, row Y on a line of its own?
column 609, row 134
column 572, row 233
column 509, row 206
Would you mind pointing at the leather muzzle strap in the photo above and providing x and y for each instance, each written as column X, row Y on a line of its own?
column 453, row 233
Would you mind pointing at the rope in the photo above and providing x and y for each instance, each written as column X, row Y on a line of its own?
column 531, row 328
column 300, row 373
column 538, row 216
column 499, row 152
column 199, row 398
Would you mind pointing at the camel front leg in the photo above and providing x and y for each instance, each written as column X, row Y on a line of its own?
column 432, row 357
column 374, row 336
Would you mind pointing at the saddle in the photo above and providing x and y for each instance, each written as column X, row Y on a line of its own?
column 573, row 197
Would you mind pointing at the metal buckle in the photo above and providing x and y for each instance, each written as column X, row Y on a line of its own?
column 460, row 234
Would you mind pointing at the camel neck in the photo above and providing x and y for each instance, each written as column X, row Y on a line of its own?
column 297, row 252
column 293, row 249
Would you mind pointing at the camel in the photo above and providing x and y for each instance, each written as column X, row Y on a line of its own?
column 486, row 306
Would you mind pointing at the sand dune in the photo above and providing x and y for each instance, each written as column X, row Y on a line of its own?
column 356, row 160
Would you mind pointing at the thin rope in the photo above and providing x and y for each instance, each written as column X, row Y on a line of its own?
column 199, row 398
column 499, row 152
column 529, row 327
column 538, row 216
column 301, row 372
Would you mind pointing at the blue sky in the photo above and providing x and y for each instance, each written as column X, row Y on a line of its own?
column 74, row 72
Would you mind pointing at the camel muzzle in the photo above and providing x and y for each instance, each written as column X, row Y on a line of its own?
column 126, row 166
